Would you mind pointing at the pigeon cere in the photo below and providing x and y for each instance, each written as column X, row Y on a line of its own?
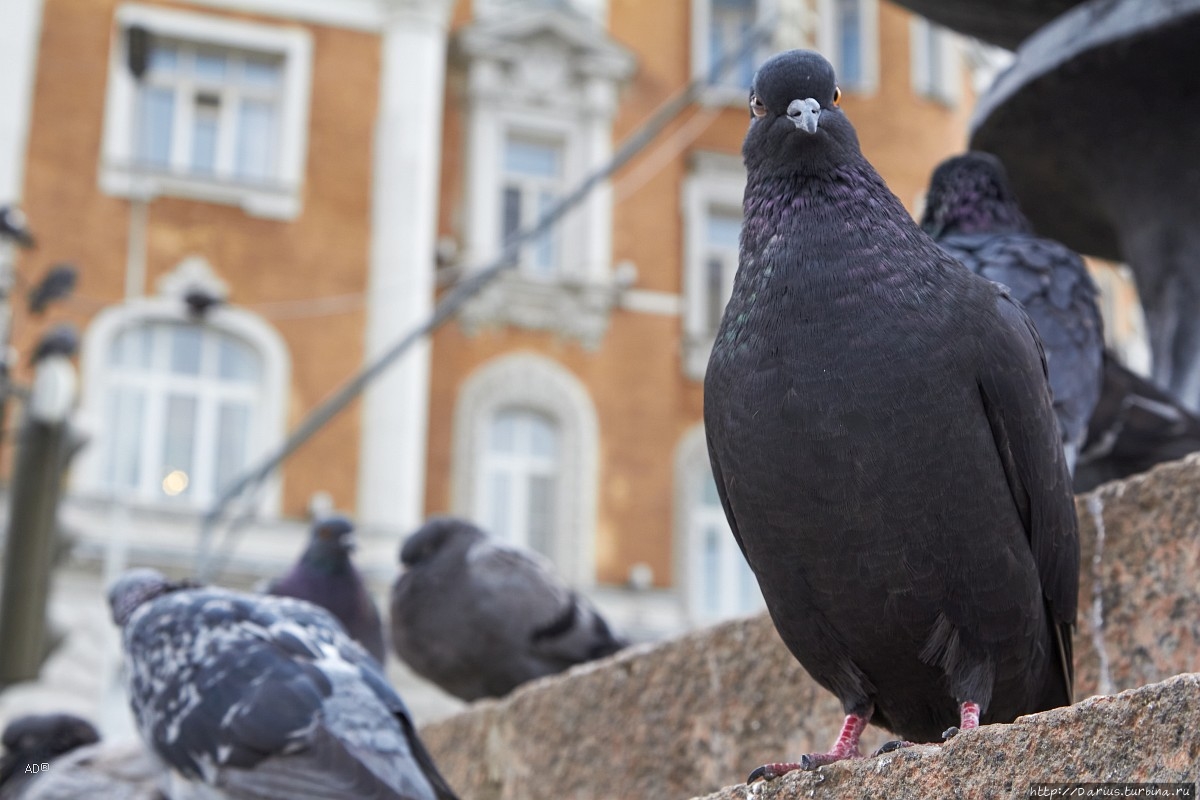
column 590, row 400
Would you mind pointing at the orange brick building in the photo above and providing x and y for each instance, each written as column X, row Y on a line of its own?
column 331, row 167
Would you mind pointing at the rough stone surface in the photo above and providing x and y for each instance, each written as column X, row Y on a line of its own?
column 1143, row 735
column 108, row 771
column 688, row 716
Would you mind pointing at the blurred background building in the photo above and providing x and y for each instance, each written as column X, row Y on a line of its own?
column 263, row 194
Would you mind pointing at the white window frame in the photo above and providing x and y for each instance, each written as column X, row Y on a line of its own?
column 830, row 43
column 691, row 469
column 533, row 382
column 945, row 87
column 270, row 418
column 701, row 57
column 716, row 181
column 278, row 199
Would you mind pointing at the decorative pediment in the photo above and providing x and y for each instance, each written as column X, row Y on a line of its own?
column 190, row 274
column 542, row 54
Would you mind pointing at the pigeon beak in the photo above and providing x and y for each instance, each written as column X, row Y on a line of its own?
column 805, row 114
column 349, row 543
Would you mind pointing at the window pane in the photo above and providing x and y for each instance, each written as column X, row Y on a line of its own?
column 504, row 432
column 179, row 445
column 204, row 133
column 499, row 504
column 849, row 25
column 541, row 514
column 511, row 214
column 543, row 437
column 262, row 72
column 131, row 349
column 157, row 112
column 185, row 349
column 710, row 571
column 126, row 411
column 723, row 229
column 255, row 139
column 524, row 157
column 544, row 249
column 210, row 67
column 163, row 60
column 714, row 287
column 233, row 430
column 236, row 360
column 731, row 21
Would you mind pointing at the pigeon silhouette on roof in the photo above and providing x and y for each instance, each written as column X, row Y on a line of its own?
column 479, row 617
column 882, row 438
column 264, row 697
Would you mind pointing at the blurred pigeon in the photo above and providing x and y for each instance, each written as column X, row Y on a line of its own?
column 200, row 301
column 58, row 282
column 972, row 213
column 14, row 226
column 1135, row 426
column 325, row 575
column 479, row 618
column 32, row 741
column 61, row 340
column 881, row 434
column 264, row 697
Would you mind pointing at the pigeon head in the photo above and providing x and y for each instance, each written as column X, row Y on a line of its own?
column 970, row 194
column 135, row 587
column 795, row 123
column 48, row 734
column 331, row 543
column 437, row 535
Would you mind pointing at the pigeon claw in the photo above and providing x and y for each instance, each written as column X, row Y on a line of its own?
column 949, row 733
column 891, row 747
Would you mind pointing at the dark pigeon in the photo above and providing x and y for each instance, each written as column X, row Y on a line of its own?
column 200, row 301
column 61, row 340
column 32, row 741
column 1135, row 425
column 882, row 438
column 972, row 213
column 58, row 282
column 325, row 575
column 479, row 618
column 14, row 227
column 264, row 697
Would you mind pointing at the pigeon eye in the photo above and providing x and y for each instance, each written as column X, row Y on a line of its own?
column 837, row 95
column 757, row 107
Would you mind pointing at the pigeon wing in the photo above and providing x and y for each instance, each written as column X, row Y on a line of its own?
column 562, row 625
column 1012, row 388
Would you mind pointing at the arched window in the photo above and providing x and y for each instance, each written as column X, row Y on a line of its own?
column 525, row 459
column 716, row 581
column 179, row 406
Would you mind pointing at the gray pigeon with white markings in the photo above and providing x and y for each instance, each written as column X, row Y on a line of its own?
column 263, row 697
column 478, row 617
column 972, row 213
